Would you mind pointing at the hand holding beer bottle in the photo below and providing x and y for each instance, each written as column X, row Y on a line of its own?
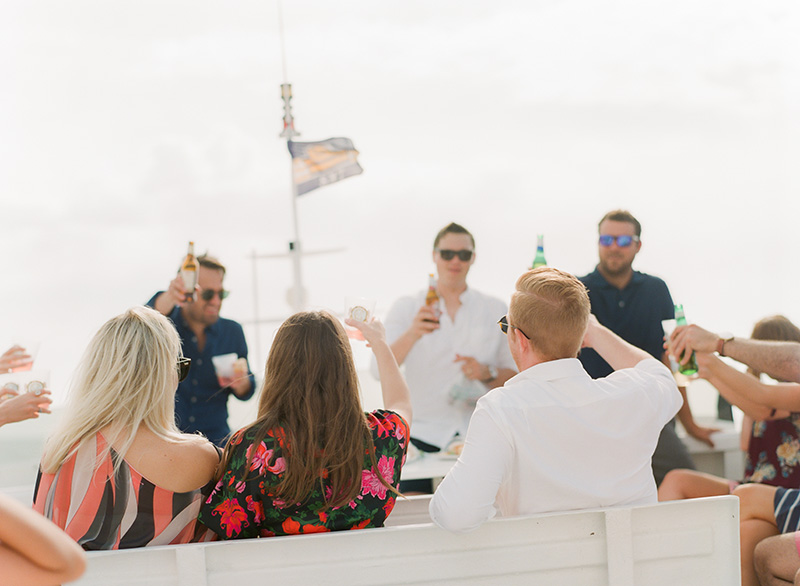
column 188, row 273
column 183, row 287
column 432, row 299
column 688, row 368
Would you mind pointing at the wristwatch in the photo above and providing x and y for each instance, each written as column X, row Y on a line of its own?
column 724, row 337
column 492, row 374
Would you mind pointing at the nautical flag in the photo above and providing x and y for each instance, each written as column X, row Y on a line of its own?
column 315, row 164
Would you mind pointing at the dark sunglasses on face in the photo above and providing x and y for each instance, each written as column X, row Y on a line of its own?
column 463, row 255
column 183, row 368
column 208, row 294
column 504, row 325
column 622, row 241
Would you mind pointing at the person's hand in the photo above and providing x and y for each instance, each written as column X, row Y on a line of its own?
column 701, row 433
column 23, row 406
column 14, row 357
column 424, row 322
column 176, row 293
column 706, row 361
column 688, row 339
column 373, row 331
column 240, row 382
column 591, row 331
column 473, row 369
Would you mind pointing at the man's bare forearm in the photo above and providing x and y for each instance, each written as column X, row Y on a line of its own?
column 780, row 360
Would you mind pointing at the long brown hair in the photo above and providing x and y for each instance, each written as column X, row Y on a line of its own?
column 311, row 391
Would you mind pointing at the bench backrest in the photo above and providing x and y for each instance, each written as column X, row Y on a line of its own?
column 686, row 542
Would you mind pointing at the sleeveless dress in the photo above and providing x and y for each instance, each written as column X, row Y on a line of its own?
column 102, row 510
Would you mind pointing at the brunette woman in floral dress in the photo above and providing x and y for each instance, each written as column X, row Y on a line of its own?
column 313, row 460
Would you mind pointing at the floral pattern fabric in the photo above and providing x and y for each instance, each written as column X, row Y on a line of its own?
column 243, row 505
column 773, row 456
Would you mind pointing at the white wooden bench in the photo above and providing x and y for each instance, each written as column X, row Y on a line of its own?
column 410, row 510
column 686, row 542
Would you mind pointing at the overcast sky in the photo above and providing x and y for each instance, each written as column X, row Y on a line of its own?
column 129, row 128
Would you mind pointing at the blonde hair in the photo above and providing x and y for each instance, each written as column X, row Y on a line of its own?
column 552, row 308
column 310, row 392
column 127, row 378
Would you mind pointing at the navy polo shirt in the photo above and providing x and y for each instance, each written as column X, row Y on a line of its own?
column 201, row 404
column 633, row 313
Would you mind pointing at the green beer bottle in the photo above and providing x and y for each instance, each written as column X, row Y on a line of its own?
column 538, row 260
column 680, row 319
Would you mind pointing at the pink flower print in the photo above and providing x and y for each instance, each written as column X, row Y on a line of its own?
column 232, row 517
column 278, row 467
column 217, row 488
column 386, row 468
column 382, row 428
column 256, row 507
column 371, row 484
column 240, row 486
column 399, row 430
column 260, row 457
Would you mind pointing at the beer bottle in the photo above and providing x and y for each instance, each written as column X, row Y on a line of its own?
column 189, row 273
column 432, row 297
column 680, row 319
column 539, row 260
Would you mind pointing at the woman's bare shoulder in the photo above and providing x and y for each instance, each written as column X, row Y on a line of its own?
column 179, row 464
column 196, row 458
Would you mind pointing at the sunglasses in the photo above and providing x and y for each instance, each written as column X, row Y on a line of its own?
column 463, row 255
column 183, row 368
column 622, row 241
column 504, row 325
column 208, row 294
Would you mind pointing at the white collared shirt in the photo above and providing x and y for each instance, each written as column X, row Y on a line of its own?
column 554, row 439
column 430, row 370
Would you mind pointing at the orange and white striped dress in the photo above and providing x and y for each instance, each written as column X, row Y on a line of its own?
column 104, row 510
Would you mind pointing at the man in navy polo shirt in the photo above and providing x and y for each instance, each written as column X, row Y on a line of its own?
column 632, row 304
column 201, row 402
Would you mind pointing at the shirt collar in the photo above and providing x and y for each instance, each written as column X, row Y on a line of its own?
column 636, row 278
column 551, row 370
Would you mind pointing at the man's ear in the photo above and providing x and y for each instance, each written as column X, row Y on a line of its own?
column 522, row 343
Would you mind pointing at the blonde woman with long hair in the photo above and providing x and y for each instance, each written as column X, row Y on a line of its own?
column 314, row 460
column 117, row 473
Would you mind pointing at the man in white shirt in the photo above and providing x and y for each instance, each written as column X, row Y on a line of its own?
column 450, row 355
column 552, row 438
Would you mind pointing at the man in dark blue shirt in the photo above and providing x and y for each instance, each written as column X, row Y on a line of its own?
column 201, row 401
column 632, row 305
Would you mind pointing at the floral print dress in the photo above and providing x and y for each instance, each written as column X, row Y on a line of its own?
column 242, row 504
column 773, row 455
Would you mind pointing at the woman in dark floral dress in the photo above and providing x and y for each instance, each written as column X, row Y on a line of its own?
column 770, row 437
column 313, row 460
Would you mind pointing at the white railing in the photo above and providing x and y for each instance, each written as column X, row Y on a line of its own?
column 684, row 542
